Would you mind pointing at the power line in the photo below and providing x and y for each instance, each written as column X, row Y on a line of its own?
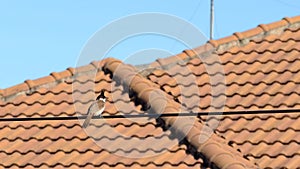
column 176, row 114
column 190, row 19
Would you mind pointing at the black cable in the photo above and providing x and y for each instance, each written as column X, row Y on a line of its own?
column 182, row 114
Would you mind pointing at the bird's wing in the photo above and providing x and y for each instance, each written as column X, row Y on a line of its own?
column 92, row 109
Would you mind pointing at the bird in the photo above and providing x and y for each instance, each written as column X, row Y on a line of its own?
column 96, row 108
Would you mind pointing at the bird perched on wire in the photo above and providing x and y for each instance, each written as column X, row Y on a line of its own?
column 96, row 108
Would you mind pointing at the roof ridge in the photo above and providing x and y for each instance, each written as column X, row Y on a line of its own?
column 262, row 30
column 223, row 44
column 213, row 147
column 52, row 79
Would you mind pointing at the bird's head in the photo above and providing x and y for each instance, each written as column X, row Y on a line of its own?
column 101, row 96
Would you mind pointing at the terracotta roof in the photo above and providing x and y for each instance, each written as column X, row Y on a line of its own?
column 253, row 70
column 61, row 143
column 261, row 70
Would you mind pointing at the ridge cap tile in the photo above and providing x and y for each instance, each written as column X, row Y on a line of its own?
column 261, row 30
column 171, row 106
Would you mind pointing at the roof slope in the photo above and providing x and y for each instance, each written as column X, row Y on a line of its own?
column 260, row 71
column 254, row 70
column 109, row 143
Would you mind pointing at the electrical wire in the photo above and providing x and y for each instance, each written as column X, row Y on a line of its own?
column 176, row 114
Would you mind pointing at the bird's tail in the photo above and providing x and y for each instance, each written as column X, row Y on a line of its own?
column 87, row 120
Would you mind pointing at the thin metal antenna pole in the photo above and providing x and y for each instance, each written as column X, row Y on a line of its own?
column 211, row 19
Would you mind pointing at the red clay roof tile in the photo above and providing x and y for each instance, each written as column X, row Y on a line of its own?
column 15, row 89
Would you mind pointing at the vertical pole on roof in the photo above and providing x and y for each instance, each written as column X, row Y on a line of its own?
column 211, row 19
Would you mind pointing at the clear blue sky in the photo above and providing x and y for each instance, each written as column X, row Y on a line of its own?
column 39, row 37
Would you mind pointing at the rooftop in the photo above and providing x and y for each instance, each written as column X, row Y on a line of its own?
column 255, row 70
